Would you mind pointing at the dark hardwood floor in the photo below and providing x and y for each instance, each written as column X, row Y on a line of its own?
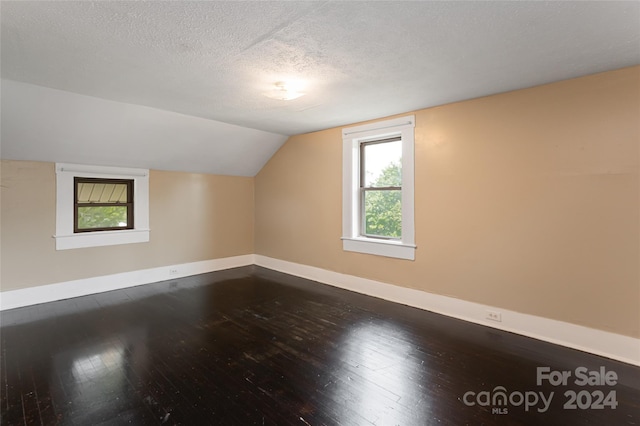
column 250, row 346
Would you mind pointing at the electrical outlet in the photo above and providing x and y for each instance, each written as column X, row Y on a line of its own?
column 173, row 271
column 494, row 316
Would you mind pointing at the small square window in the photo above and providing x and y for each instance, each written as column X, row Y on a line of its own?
column 102, row 204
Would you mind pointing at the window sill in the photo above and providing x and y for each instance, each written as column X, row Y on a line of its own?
column 101, row 238
column 386, row 248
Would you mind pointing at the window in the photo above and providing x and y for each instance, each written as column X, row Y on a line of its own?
column 378, row 207
column 381, row 188
column 99, row 206
column 102, row 204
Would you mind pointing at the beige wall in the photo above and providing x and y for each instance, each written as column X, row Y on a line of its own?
column 527, row 201
column 193, row 217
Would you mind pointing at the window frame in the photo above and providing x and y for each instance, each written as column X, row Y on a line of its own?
column 364, row 189
column 353, row 237
column 66, row 237
column 129, row 204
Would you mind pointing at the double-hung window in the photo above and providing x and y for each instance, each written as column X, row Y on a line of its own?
column 381, row 188
column 378, row 181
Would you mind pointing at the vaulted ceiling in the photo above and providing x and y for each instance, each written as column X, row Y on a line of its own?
column 354, row 60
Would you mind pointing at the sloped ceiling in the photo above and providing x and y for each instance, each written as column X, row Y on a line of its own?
column 355, row 60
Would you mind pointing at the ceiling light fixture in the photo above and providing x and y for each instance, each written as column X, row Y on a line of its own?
column 283, row 92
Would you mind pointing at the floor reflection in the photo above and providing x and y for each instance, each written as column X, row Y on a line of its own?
column 381, row 382
column 99, row 380
column 98, row 366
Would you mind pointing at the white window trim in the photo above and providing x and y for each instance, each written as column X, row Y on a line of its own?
column 67, row 239
column 352, row 137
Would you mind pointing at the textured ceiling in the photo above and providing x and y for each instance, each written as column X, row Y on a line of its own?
column 356, row 60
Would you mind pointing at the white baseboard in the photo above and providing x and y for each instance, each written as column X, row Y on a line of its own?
column 598, row 342
column 66, row 290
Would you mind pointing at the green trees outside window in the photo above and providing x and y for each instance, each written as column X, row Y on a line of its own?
column 383, row 208
column 102, row 217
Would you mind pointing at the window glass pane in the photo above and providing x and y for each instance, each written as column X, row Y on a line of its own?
column 383, row 213
column 89, row 192
column 102, row 217
column 382, row 164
